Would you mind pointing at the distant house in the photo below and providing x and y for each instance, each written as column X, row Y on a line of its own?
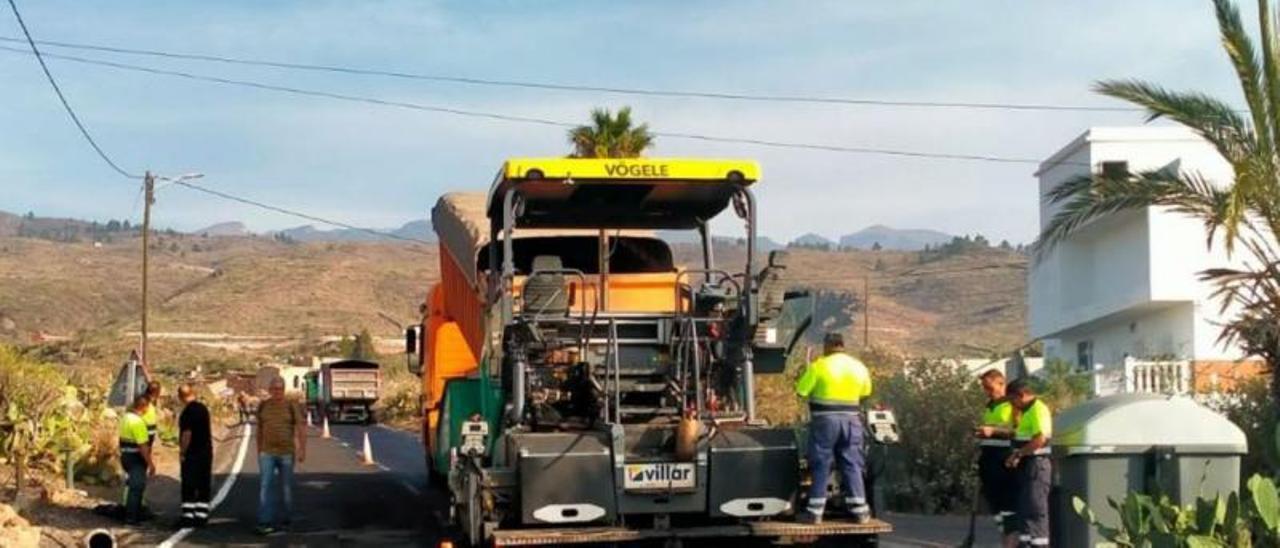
column 1125, row 288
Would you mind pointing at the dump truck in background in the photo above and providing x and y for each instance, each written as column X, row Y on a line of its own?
column 581, row 387
column 346, row 390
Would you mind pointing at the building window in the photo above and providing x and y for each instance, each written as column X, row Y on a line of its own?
column 1114, row 169
column 1084, row 355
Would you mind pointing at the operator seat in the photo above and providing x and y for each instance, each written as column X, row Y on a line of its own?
column 772, row 290
column 545, row 293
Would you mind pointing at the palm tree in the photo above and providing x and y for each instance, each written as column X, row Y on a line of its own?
column 610, row 136
column 1243, row 214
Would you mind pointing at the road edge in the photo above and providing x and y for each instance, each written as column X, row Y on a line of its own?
column 246, row 432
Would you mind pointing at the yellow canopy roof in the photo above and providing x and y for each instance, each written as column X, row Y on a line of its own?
column 647, row 193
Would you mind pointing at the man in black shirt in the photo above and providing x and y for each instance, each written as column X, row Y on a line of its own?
column 196, row 446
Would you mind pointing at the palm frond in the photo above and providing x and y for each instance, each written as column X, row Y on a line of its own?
column 1212, row 119
column 1271, row 78
column 1085, row 198
column 1239, row 48
column 610, row 135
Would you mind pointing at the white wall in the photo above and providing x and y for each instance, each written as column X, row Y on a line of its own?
column 1168, row 331
column 1130, row 282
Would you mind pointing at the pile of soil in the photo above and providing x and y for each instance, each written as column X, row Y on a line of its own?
column 15, row 531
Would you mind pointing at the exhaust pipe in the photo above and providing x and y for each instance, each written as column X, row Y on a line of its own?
column 100, row 538
column 519, row 363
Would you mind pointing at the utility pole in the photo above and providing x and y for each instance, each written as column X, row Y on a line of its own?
column 866, row 311
column 149, row 189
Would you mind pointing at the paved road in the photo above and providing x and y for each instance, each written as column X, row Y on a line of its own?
column 338, row 500
column 341, row 502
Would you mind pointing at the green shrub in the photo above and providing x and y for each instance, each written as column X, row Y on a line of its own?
column 1060, row 385
column 933, row 469
column 43, row 419
column 1249, row 406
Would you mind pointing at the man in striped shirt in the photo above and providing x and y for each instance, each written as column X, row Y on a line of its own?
column 282, row 442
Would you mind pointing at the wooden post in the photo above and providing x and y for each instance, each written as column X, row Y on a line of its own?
column 149, row 188
column 866, row 311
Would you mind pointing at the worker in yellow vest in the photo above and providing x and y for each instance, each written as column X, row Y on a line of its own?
column 995, row 436
column 1030, row 459
column 835, row 386
column 152, row 415
column 135, row 458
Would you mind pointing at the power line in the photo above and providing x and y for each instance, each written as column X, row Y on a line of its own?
column 299, row 214
column 63, row 98
column 730, row 96
column 534, row 120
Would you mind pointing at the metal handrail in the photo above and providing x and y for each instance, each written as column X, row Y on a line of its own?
column 616, row 365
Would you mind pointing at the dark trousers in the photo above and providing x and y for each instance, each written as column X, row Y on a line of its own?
column 197, row 485
column 836, row 439
column 999, row 485
column 135, row 467
column 1033, row 499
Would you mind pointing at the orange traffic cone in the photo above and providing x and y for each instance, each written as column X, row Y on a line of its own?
column 368, row 451
column 324, row 433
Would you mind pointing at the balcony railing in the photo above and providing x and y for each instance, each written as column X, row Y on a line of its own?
column 1136, row 376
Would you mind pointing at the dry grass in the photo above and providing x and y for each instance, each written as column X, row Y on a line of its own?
column 967, row 304
column 246, row 286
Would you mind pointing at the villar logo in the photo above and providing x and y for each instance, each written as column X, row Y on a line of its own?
column 660, row 473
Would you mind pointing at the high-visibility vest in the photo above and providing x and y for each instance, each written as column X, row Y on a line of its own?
column 150, row 417
column 835, row 383
column 1036, row 420
column 133, row 433
column 998, row 413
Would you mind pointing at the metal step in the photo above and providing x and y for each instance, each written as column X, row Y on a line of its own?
column 780, row 529
column 634, row 411
column 644, row 387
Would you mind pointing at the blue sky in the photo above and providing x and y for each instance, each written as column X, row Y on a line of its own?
column 378, row 166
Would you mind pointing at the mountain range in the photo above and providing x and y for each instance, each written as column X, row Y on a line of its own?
column 415, row 230
column 67, row 229
column 893, row 238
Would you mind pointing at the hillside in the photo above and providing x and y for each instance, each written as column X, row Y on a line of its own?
column 957, row 303
column 251, row 286
column 893, row 238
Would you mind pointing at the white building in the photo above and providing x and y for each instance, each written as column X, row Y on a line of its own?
column 1126, row 286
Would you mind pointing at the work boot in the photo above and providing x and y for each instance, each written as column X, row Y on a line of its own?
column 808, row 518
column 861, row 513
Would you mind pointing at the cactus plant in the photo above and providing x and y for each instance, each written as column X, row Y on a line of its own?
column 1158, row 522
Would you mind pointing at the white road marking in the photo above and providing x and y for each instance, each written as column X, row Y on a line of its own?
column 412, row 489
column 222, row 491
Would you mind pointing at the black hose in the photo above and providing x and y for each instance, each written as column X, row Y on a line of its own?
column 50, row 536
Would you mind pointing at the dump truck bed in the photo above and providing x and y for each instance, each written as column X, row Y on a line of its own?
column 351, row 381
column 761, row 529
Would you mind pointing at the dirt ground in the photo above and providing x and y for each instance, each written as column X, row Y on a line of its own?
column 66, row 516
